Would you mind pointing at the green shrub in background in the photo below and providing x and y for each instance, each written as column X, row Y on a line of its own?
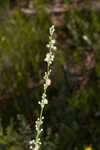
column 72, row 121
column 15, row 138
column 22, row 47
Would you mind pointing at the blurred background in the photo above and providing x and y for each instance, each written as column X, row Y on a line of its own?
column 72, row 117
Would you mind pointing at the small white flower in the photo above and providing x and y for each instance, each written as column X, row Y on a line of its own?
column 48, row 82
column 55, row 48
column 53, row 41
column 43, row 96
column 42, row 117
column 31, row 142
column 45, row 101
column 41, row 131
column 52, row 57
column 85, row 38
column 49, row 58
column 48, row 46
column 39, row 103
column 31, row 147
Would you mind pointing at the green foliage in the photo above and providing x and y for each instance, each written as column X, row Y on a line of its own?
column 13, row 138
column 22, row 45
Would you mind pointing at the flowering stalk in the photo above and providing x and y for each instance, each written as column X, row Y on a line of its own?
column 35, row 143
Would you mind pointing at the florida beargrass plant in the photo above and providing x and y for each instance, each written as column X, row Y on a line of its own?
column 35, row 143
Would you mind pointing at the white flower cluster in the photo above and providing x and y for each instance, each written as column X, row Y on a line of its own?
column 49, row 58
column 44, row 101
column 39, row 122
column 32, row 143
column 47, row 80
column 51, row 45
column 35, row 144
